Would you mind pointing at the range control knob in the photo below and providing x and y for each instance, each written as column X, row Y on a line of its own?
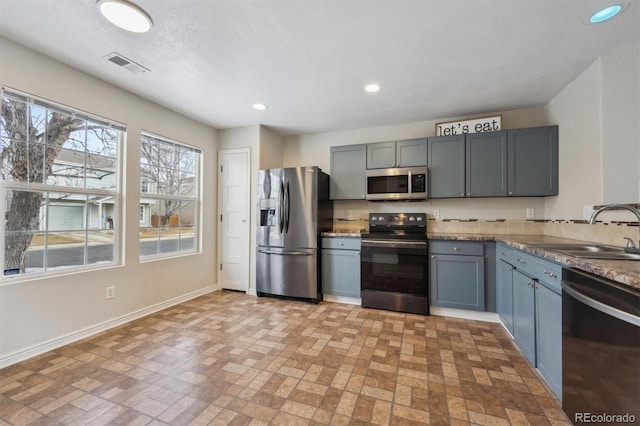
column 380, row 218
column 419, row 219
column 411, row 218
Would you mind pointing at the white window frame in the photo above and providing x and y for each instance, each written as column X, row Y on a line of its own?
column 8, row 185
column 196, row 199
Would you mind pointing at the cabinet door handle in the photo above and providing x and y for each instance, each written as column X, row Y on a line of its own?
column 510, row 193
column 509, row 268
column 456, row 248
column 468, row 194
column 462, row 194
column 433, row 257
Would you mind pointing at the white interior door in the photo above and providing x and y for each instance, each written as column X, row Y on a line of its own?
column 233, row 178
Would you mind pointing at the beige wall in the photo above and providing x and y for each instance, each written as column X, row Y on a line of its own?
column 599, row 118
column 40, row 310
column 621, row 125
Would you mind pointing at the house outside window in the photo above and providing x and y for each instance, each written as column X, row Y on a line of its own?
column 59, row 173
column 170, row 174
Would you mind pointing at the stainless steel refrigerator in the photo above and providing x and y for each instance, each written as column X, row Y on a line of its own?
column 293, row 208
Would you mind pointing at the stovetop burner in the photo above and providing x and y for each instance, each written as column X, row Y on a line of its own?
column 397, row 226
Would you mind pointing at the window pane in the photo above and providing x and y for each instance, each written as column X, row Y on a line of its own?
column 34, row 256
column 15, row 115
column 100, row 247
column 101, row 140
column 187, row 160
column 66, row 212
column 24, row 215
column 101, row 172
column 187, row 184
column 68, row 168
column 39, row 122
column 76, row 139
column 187, row 225
column 35, row 165
column 64, row 249
column 168, row 183
column 149, row 153
column 148, row 179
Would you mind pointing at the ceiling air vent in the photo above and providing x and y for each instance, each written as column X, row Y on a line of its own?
column 125, row 63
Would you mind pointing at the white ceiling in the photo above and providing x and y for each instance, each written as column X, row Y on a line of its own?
column 308, row 60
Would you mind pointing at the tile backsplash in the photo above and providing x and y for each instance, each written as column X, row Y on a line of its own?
column 603, row 233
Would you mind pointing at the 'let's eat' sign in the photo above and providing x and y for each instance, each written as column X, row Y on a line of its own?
column 476, row 125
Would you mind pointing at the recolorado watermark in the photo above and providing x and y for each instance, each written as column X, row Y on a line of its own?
column 603, row 418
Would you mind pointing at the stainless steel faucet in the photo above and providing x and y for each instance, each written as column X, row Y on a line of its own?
column 630, row 245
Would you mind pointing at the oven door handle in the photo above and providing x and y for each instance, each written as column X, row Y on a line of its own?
column 394, row 244
column 568, row 288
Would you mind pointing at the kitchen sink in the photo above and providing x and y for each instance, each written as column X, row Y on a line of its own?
column 589, row 250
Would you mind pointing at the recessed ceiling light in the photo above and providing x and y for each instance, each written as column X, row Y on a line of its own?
column 125, row 15
column 372, row 88
column 259, row 107
column 605, row 13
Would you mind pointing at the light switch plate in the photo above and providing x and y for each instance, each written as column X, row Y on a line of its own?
column 531, row 212
column 586, row 212
column 436, row 213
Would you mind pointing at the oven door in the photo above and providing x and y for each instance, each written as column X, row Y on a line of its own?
column 394, row 266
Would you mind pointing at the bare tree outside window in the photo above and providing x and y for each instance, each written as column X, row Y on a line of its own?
column 169, row 182
column 53, row 163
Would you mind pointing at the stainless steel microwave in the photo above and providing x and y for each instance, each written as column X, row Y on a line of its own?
column 404, row 183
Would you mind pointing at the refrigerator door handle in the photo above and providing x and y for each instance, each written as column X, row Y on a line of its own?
column 286, row 253
column 281, row 208
column 287, row 211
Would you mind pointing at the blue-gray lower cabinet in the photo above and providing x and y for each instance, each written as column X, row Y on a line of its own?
column 504, row 294
column 529, row 296
column 341, row 267
column 457, row 281
column 549, row 336
column 524, row 314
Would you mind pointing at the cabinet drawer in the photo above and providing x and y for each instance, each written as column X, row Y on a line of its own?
column 547, row 272
column 464, row 248
column 344, row 243
column 506, row 253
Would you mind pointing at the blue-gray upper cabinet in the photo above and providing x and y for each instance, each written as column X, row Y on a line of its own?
column 341, row 266
column 381, row 155
column 348, row 169
column 411, row 153
column 533, row 161
column 456, row 275
column 486, row 158
column 405, row 153
column 446, row 156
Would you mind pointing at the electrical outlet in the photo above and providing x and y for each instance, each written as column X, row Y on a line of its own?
column 436, row 213
column 586, row 212
column 111, row 292
column 531, row 212
column 349, row 214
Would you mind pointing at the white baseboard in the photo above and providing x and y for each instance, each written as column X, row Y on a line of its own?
column 342, row 299
column 464, row 314
column 40, row 348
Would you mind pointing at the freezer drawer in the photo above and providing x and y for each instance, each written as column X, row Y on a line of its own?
column 292, row 273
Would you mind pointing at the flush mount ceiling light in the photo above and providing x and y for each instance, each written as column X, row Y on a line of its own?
column 259, row 107
column 605, row 13
column 125, row 15
column 372, row 88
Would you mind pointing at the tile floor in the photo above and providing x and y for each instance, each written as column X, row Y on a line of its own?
column 229, row 358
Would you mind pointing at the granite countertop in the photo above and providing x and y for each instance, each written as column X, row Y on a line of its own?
column 623, row 271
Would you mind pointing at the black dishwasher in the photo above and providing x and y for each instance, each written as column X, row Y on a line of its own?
column 600, row 349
